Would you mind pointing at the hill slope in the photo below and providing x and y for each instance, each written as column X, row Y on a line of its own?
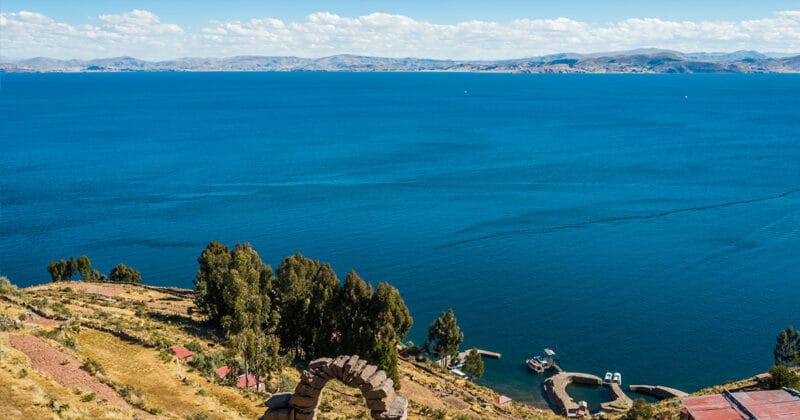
column 81, row 350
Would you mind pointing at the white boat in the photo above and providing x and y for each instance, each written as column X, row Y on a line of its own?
column 608, row 378
column 459, row 373
column 617, row 378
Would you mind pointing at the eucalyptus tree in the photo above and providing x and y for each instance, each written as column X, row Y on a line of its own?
column 444, row 337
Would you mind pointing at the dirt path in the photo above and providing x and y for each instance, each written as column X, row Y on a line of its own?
column 63, row 368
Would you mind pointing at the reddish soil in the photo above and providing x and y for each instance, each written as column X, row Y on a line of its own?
column 46, row 322
column 100, row 289
column 48, row 360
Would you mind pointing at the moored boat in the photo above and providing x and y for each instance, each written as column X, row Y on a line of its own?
column 539, row 364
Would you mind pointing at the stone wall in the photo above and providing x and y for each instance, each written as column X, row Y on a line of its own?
column 377, row 389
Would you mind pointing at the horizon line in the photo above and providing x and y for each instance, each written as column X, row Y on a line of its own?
column 635, row 51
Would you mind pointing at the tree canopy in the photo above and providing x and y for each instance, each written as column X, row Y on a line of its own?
column 85, row 267
column 780, row 376
column 787, row 347
column 473, row 364
column 444, row 336
column 302, row 308
column 124, row 274
column 63, row 269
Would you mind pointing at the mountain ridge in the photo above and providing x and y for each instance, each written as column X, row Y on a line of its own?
column 645, row 60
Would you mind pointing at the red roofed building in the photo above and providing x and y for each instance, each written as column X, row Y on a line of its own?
column 182, row 353
column 248, row 381
column 781, row 404
column 503, row 400
column 223, row 371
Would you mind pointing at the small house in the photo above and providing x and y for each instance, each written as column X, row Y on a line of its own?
column 224, row 371
column 182, row 353
column 249, row 381
column 503, row 400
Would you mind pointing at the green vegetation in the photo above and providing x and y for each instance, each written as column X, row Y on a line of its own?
column 473, row 364
column 124, row 274
column 85, row 267
column 6, row 288
column 780, row 376
column 301, row 310
column 444, row 336
column 63, row 269
column 641, row 410
column 787, row 348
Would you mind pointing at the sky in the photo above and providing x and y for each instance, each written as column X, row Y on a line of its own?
column 443, row 29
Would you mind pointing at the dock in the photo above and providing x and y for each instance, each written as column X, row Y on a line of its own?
column 658, row 391
column 619, row 401
column 463, row 355
column 484, row 353
column 556, row 388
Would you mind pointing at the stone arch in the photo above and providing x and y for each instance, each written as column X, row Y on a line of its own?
column 377, row 389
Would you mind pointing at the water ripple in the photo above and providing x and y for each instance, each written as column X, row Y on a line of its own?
column 615, row 219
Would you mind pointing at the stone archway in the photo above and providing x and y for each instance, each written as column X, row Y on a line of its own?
column 376, row 388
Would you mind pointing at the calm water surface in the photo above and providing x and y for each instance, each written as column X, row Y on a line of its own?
column 643, row 224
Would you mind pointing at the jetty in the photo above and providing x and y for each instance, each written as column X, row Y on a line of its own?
column 556, row 388
column 658, row 391
column 619, row 401
column 484, row 353
column 463, row 355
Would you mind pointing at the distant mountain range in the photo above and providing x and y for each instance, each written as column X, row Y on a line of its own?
column 635, row 61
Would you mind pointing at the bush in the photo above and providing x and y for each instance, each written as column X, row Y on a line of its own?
column 641, row 410
column 780, row 376
column 6, row 288
column 92, row 367
column 125, row 274
column 88, row 397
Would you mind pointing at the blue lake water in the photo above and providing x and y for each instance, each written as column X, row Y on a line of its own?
column 643, row 224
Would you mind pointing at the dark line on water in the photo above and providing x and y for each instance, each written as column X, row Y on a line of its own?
column 615, row 219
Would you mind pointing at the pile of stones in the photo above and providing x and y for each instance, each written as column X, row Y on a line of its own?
column 377, row 389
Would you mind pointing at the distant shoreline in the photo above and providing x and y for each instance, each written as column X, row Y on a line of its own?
column 649, row 61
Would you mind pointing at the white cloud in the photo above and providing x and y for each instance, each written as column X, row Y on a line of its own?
column 138, row 32
column 141, row 33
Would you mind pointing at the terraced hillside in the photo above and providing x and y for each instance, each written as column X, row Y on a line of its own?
column 101, row 350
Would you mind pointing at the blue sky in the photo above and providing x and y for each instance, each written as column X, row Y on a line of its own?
column 465, row 29
column 198, row 12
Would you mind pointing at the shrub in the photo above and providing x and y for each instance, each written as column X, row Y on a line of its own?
column 641, row 410
column 6, row 288
column 780, row 376
column 92, row 366
column 88, row 397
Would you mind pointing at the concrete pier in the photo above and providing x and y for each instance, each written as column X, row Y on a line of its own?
column 463, row 355
column 556, row 388
column 619, row 401
column 658, row 391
